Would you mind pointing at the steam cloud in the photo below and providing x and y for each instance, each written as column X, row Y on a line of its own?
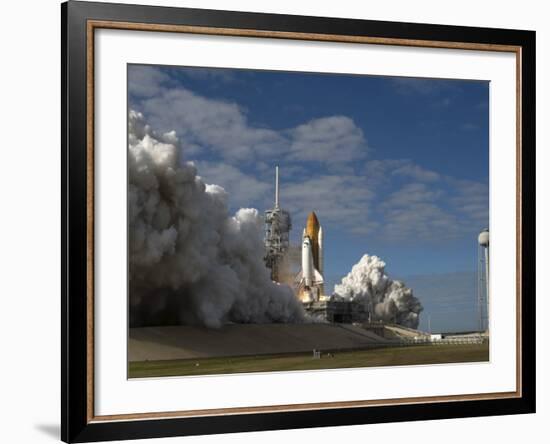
column 190, row 262
column 386, row 299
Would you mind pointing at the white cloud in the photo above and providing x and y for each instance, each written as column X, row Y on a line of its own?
column 416, row 172
column 189, row 260
column 419, row 221
column 395, row 198
column 201, row 123
column 329, row 139
column 382, row 171
column 421, row 212
column 407, row 85
column 219, row 74
column 145, row 81
column 338, row 201
column 471, row 200
column 245, row 190
column 223, row 127
column 215, row 125
column 425, row 86
column 413, row 193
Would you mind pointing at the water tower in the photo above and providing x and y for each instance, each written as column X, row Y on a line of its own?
column 483, row 280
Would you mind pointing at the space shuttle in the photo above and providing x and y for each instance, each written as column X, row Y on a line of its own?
column 310, row 279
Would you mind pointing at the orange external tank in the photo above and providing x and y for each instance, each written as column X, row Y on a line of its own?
column 312, row 231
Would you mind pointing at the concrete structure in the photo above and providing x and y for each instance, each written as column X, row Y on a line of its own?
column 337, row 311
column 187, row 342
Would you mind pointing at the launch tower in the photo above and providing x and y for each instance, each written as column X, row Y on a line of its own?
column 277, row 229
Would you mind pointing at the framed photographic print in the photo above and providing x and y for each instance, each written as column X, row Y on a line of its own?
column 276, row 221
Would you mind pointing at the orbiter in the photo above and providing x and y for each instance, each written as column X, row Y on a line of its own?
column 310, row 278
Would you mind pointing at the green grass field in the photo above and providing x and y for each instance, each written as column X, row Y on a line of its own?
column 346, row 359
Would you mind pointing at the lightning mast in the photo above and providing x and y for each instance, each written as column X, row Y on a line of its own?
column 277, row 229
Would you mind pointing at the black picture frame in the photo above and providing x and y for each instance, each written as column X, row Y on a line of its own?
column 76, row 326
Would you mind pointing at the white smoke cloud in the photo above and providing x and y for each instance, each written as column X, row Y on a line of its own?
column 386, row 299
column 190, row 262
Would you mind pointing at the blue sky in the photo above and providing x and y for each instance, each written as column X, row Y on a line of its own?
column 396, row 167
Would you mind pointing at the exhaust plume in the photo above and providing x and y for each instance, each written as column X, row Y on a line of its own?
column 387, row 300
column 190, row 262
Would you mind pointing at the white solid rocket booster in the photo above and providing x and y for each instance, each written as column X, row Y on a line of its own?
column 321, row 250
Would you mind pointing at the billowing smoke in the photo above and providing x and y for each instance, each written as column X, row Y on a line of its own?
column 190, row 262
column 387, row 300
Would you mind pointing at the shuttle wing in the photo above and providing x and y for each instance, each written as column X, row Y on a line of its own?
column 317, row 278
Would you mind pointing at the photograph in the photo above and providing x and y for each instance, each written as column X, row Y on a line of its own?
column 304, row 221
column 279, row 221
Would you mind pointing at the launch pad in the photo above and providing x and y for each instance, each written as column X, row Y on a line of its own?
column 309, row 282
